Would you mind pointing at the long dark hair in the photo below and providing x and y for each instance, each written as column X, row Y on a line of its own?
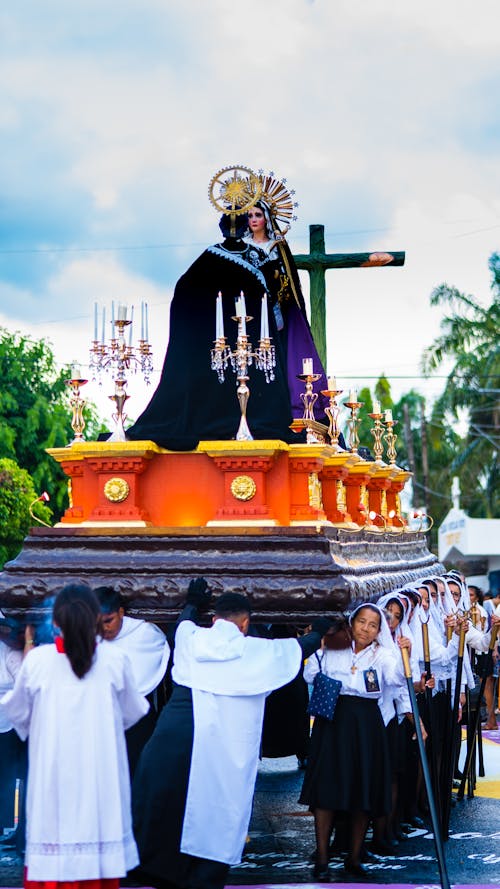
column 76, row 611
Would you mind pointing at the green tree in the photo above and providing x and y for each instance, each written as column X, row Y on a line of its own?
column 17, row 493
column 469, row 338
column 34, row 412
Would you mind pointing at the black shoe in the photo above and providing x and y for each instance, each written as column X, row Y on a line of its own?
column 417, row 822
column 355, row 868
column 321, row 873
column 302, row 762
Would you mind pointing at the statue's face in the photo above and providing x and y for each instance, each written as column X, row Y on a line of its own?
column 256, row 221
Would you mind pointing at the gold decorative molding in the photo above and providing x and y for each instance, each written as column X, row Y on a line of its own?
column 315, row 491
column 243, row 487
column 116, row 490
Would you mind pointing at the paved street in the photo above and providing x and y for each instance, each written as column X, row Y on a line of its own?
column 282, row 837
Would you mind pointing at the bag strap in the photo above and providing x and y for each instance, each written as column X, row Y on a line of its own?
column 319, row 661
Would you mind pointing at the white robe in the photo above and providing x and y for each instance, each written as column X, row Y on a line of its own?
column 147, row 649
column 78, row 796
column 230, row 676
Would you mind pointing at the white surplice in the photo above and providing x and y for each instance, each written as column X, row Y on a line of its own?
column 78, row 796
column 230, row 676
column 147, row 649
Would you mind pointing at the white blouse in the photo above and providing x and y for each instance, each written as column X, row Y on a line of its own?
column 365, row 674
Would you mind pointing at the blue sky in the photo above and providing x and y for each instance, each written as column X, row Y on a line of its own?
column 114, row 117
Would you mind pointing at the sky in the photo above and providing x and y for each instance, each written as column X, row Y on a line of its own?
column 382, row 116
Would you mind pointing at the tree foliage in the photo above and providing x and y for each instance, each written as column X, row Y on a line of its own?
column 17, row 493
column 34, row 412
column 470, row 339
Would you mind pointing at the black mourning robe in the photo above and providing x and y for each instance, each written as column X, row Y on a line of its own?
column 190, row 404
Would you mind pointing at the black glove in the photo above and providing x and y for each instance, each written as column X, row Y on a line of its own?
column 321, row 625
column 198, row 593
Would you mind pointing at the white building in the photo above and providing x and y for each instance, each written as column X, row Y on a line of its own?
column 462, row 539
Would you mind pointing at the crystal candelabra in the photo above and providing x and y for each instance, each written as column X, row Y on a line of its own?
column 332, row 412
column 377, row 431
column 243, row 355
column 390, row 437
column 77, row 403
column 119, row 357
column 353, row 422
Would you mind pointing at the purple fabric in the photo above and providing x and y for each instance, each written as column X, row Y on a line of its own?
column 300, row 344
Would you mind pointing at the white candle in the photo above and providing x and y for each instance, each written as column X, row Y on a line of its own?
column 103, row 324
column 332, row 384
column 376, row 407
column 243, row 304
column 219, row 320
column 131, row 326
column 264, row 319
column 307, row 365
column 95, row 322
column 146, row 325
column 142, row 319
column 241, row 313
column 112, row 317
column 353, row 396
column 76, row 373
column 122, row 312
column 388, row 416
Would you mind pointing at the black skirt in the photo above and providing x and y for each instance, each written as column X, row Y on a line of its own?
column 348, row 766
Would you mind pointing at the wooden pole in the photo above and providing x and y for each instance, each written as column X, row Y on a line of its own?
column 438, row 841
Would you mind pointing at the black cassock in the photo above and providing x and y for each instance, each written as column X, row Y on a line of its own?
column 190, row 404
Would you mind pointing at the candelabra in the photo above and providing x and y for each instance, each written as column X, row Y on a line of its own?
column 243, row 356
column 118, row 357
column 332, row 412
column 353, row 423
column 77, row 403
column 377, row 431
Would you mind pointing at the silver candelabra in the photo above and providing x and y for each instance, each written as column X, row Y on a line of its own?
column 119, row 357
column 243, row 355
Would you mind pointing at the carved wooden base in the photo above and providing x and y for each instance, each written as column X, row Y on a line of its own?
column 289, row 574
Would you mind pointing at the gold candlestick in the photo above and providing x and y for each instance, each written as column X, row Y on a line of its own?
column 332, row 412
column 391, row 439
column 309, row 399
column 77, row 403
column 353, row 423
column 377, row 431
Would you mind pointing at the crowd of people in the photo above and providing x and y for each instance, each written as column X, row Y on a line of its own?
column 119, row 780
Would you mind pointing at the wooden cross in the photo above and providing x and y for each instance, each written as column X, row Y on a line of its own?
column 316, row 262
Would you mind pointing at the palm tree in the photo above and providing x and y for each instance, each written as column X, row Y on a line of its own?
column 470, row 338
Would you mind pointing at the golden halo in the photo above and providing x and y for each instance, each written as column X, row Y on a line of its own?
column 279, row 198
column 234, row 190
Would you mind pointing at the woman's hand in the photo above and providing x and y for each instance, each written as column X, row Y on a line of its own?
column 404, row 642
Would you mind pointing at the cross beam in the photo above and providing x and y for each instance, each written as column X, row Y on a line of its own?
column 317, row 261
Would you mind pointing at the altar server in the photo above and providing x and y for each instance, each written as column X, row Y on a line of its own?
column 194, row 784
column 148, row 651
column 73, row 699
